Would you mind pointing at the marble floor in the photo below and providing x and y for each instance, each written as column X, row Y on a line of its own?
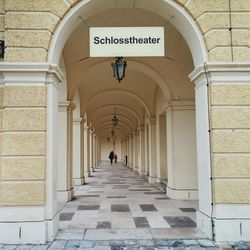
column 118, row 204
column 119, row 210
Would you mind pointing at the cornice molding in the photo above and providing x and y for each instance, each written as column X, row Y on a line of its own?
column 233, row 73
column 30, row 73
column 77, row 119
column 180, row 105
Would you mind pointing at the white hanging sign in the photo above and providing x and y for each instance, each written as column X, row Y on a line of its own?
column 127, row 41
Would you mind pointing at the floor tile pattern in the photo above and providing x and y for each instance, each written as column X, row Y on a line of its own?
column 119, row 204
column 107, row 215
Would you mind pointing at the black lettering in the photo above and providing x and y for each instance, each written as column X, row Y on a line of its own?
column 154, row 40
column 126, row 40
column 96, row 40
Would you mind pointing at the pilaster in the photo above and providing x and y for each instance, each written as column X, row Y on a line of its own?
column 152, row 150
column 86, row 150
column 65, row 153
column 142, row 170
column 181, row 148
column 222, row 102
column 28, row 207
column 78, row 178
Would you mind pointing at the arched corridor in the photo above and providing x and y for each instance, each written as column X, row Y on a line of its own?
column 155, row 135
column 178, row 121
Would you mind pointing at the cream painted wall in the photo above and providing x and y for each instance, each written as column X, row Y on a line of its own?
column 107, row 146
column 162, row 171
column 185, row 149
column 181, row 147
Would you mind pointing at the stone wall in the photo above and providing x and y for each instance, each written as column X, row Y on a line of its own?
column 230, row 123
column 23, row 147
column 29, row 26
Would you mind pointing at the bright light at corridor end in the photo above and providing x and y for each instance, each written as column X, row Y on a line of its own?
column 119, row 67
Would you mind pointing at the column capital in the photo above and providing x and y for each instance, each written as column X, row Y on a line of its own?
column 142, row 128
column 86, row 127
column 77, row 119
column 151, row 120
column 71, row 106
column 31, row 73
column 63, row 105
column 180, row 105
column 221, row 73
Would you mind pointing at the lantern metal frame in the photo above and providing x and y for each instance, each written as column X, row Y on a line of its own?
column 119, row 68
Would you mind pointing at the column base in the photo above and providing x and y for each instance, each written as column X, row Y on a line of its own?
column 78, row 181
column 204, row 223
column 182, row 194
column 37, row 232
column 231, row 222
column 65, row 195
column 142, row 172
column 87, row 174
column 136, row 169
column 152, row 179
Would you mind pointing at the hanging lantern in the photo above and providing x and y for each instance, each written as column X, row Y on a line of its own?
column 114, row 120
column 119, row 67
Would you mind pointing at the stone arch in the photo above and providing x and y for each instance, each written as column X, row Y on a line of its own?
column 133, row 112
column 128, row 93
column 169, row 9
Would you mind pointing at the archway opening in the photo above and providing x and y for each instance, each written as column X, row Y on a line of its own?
column 155, row 103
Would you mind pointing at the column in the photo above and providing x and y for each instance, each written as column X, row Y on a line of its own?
column 131, row 151
column 223, row 150
column 152, row 150
column 90, row 146
column 181, row 148
column 93, row 151
column 78, row 178
column 122, row 150
column 142, row 165
column 86, row 165
column 161, row 145
column 146, row 149
column 98, row 152
column 29, row 115
column 136, row 151
column 126, row 150
column 65, row 160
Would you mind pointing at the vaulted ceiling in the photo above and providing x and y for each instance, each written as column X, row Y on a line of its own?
column 147, row 79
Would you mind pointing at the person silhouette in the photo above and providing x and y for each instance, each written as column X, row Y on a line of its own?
column 111, row 156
